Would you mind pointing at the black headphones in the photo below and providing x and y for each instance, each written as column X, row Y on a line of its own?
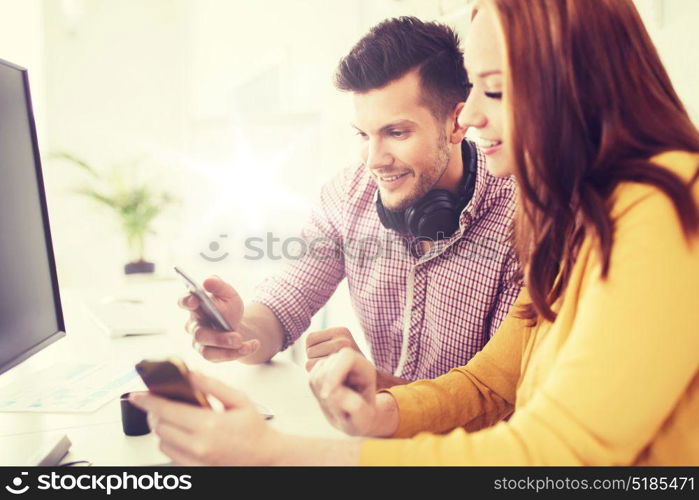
column 435, row 216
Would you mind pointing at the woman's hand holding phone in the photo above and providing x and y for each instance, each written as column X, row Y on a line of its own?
column 212, row 343
column 192, row 435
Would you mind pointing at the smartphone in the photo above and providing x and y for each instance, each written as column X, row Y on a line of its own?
column 211, row 313
column 170, row 379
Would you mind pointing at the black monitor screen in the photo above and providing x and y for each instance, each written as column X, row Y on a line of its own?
column 30, row 310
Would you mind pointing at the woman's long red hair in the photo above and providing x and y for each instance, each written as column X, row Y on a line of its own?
column 591, row 103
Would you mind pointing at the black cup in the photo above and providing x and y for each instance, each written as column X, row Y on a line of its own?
column 133, row 420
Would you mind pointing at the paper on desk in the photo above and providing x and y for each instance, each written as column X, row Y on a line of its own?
column 68, row 387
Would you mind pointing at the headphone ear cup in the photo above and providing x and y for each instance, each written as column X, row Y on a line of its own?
column 390, row 219
column 409, row 217
column 440, row 223
column 434, row 217
column 397, row 220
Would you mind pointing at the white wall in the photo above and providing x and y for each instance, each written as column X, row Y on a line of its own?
column 223, row 99
column 21, row 42
column 672, row 25
column 115, row 73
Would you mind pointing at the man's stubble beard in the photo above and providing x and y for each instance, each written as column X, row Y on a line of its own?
column 428, row 179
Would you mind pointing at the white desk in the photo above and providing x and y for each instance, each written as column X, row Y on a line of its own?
column 98, row 437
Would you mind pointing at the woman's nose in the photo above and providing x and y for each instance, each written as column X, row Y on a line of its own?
column 471, row 116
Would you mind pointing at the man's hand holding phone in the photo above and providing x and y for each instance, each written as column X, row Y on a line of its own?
column 212, row 343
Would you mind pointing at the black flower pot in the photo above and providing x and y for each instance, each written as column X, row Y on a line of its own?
column 139, row 267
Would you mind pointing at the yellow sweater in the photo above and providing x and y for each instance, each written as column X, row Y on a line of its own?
column 613, row 380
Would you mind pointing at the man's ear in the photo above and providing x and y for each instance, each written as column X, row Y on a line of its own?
column 457, row 132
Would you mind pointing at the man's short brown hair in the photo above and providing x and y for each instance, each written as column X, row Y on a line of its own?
column 399, row 45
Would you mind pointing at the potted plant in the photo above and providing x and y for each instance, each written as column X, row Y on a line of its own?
column 134, row 203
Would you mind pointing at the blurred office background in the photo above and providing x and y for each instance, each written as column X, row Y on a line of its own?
column 227, row 105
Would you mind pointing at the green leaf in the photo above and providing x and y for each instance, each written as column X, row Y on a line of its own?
column 77, row 161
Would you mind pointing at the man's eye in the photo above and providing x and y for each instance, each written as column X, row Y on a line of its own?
column 362, row 135
column 397, row 133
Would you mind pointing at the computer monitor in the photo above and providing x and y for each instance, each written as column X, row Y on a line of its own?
column 31, row 317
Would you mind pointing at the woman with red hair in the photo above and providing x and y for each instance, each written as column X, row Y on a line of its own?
column 598, row 361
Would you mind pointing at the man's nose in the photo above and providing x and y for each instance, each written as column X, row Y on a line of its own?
column 377, row 155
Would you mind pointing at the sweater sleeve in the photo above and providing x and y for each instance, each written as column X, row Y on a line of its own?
column 474, row 396
column 627, row 361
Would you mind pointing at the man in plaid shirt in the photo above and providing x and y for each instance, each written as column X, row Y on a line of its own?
column 426, row 304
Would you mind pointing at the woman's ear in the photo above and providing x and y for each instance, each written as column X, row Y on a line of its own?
column 457, row 132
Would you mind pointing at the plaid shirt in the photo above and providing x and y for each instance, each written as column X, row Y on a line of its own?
column 422, row 314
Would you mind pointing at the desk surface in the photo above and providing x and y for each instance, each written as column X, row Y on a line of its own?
column 280, row 385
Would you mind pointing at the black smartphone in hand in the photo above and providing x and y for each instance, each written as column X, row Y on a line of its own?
column 170, row 379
